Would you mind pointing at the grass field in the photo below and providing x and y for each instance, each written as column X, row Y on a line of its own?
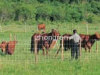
column 22, row 61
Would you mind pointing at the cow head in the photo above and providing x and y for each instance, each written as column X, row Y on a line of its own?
column 55, row 33
column 3, row 46
column 97, row 36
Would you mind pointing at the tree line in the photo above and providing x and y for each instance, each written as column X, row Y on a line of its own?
column 30, row 11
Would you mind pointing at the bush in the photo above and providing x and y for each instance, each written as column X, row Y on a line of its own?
column 30, row 11
column 58, row 12
column 6, row 11
column 43, row 12
column 52, row 13
column 95, row 6
column 24, row 12
column 74, row 14
column 90, row 19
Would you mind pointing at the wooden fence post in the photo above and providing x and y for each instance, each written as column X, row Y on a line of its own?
column 87, row 28
column 15, row 37
column 72, row 27
column 35, row 47
column 80, row 48
column 57, row 51
column 10, row 36
column 62, row 52
column 25, row 27
column 0, row 28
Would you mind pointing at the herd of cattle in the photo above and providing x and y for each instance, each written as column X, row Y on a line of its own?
column 46, row 44
column 87, row 41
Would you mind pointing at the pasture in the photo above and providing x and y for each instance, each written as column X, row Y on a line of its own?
column 22, row 61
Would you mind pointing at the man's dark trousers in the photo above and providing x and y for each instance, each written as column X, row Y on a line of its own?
column 75, row 51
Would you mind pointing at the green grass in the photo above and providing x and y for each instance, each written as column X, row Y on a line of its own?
column 22, row 61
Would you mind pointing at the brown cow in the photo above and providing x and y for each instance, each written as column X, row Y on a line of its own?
column 44, row 40
column 41, row 27
column 89, row 40
column 8, row 47
column 86, row 42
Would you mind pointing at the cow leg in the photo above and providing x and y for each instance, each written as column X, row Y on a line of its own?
column 47, row 49
column 89, row 50
column 3, row 51
column 7, row 51
column 47, row 52
column 43, row 50
column 37, row 51
column 57, row 52
column 85, row 48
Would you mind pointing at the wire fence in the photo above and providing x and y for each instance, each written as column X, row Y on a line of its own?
column 22, row 51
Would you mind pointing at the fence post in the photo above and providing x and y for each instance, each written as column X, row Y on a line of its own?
column 0, row 28
column 87, row 28
column 25, row 27
column 72, row 27
column 96, row 46
column 57, row 50
column 10, row 36
column 35, row 47
column 15, row 37
column 58, row 27
column 62, row 52
column 80, row 48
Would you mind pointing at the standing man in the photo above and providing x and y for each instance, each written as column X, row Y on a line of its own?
column 75, row 45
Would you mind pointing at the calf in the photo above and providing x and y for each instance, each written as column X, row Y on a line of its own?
column 11, row 47
column 41, row 27
column 8, row 47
